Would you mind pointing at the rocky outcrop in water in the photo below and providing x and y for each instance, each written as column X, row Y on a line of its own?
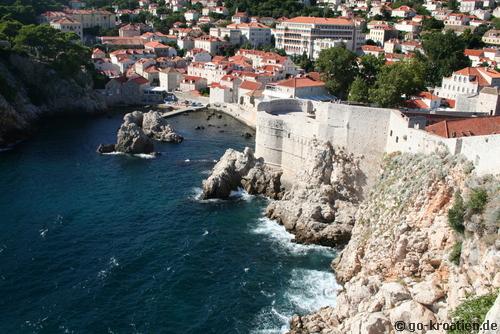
column 241, row 169
column 137, row 132
column 404, row 262
column 132, row 139
column 30, row 90
column 156, row 127
column 319, row 208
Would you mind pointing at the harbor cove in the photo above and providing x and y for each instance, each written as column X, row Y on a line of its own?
column 122, row 244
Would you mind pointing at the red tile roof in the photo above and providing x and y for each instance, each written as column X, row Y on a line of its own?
column 320, row 20
column 250, row 85
column 300, row 83
column 466, row 127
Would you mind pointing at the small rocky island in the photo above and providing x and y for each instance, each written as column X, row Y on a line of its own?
column 138, row 132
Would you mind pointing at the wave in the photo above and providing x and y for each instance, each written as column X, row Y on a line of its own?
column 307, row 291
column 277, row 233
column 145, row 156
column 241, row 194
column 139, row 155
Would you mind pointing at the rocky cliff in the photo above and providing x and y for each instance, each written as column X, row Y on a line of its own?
column 29, row 90
column 424, row 239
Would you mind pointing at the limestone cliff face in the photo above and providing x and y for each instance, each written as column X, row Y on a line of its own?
column 31, row 90
column 396, row 266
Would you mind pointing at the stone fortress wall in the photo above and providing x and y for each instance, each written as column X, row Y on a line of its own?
column 286, row 130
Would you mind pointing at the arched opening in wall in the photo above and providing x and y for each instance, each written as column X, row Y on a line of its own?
column 289, row 135
column 397, row 139
column 390, row 133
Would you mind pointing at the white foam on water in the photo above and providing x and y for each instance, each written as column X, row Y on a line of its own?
column 276, row 232
column 241, row 194
column 206, row 172
column 145, row 156
column 113, row 153
column 197, row 192
column 306, row 291
column 187, row 160
column 113, row 263
column 139, row 155
column 309, row 290
column 43, row 232
column 205, row 233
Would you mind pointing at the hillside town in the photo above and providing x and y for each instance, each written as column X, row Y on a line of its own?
column 235, row 58
column 284, row 135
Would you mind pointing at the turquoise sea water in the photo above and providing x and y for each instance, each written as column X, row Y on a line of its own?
column 95, row 243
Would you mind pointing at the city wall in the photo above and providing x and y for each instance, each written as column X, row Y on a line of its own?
column 286, row 133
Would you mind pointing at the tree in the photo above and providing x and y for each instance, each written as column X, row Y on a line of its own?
column 358, row 91
column 59, row 49
column 444, row 53
column 430, row 23
column 471, row 39
column 339, row 68
column 496, row 22
column 303, row 62
column 10, row 29
column 370, row 66
column 397, row 82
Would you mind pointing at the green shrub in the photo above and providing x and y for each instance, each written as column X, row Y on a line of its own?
column 456, row 214
column 472, row 311
column 477, row 200
column 455, row 253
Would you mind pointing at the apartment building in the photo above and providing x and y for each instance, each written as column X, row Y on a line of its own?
column 492, row 37
column 468, row 81
column 67, row 24
column 297, row 35
column 254, row 33
column 93, row 18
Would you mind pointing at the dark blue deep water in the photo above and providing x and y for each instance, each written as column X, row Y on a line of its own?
column 95, row 243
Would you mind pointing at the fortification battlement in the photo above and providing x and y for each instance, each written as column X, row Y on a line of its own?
column 286, row 129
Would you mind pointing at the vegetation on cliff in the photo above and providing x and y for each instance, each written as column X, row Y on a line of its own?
column 404, row 261
column 473, row 311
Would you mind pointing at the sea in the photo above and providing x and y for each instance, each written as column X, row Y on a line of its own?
column 114, row 243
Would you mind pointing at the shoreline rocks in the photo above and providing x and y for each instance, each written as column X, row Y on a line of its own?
column 138, row 132
column 320, row 206
column 241, row 169
column 396, row 266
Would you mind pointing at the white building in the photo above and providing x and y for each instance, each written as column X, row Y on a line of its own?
column 232, row 35
column 468, row 81
column 297, row 35
column 467, row 6
column 209, row 43
column 170, row 79
column 93, row 18
column 67, row 24
column 254, row 33
column 299, row 87
column 404, row 12
column 381, row 33
column 492, row 37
